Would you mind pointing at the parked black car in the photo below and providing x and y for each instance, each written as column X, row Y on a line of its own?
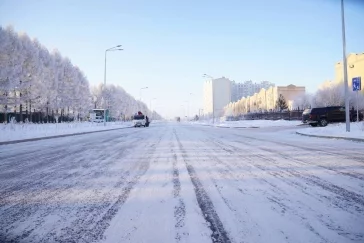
column 323, row 115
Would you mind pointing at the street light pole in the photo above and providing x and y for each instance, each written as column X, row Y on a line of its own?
column 184, row 111
column 187, row 115
column 189, row 101
column 140, row 93
column 150, row 107
column 105, row 70
column 115, row 48
column 347, row 118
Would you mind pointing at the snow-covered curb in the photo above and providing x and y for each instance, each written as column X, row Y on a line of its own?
column 332, row 137
column 250, row 123
column 336, row 131
column 15, row 133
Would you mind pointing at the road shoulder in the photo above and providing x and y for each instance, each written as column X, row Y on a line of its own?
column 56, row 136
column 330, row 137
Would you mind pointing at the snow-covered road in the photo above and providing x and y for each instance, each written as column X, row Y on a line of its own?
column 183, row 183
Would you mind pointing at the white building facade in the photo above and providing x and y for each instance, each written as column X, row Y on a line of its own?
column 247, row 88
column 217, row 94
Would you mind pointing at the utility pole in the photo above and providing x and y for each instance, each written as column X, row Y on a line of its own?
column 115, row 48
column 347, row 117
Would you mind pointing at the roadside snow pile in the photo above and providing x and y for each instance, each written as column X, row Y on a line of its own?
column 252, row 123
column 336, row 130
column 11, row 132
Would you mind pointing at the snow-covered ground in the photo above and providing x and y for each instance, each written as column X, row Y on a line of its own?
column 337, row 130
column 173, row 182
column 11, row 132
column 250, row 123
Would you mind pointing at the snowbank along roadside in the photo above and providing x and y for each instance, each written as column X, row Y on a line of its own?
column 13, row 132
column 250, row 123
column 337, row 130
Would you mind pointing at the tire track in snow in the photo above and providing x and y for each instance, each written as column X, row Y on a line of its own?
column 180, row 208
column 340, row 195
column 229, row 169
column 358, row 158
column 85, row 221
column 219, row 235
column 346, row 195
column 27, row 168
column 15, row 209
column 95, row 230
column 283, row 207
column 303, row 162
column 50, row 203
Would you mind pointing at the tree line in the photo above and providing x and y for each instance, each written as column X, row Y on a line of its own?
column 34, row 79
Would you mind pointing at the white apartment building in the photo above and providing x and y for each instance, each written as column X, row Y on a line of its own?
column 265, row 100
column 217, row 94
column 247, row 88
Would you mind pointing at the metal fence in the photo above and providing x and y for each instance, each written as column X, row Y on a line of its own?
column 284, row 115
column 35, row 117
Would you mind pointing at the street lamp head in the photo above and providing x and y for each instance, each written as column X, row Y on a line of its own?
column 118, row 46
column 115, row 50
column 206, row 76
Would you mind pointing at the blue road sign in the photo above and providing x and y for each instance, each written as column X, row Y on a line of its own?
column 356, row 83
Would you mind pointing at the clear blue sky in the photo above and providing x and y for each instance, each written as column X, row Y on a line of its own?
column 169, row 44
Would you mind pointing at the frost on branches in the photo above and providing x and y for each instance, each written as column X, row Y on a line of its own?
column 335, row 96
column 47, row 82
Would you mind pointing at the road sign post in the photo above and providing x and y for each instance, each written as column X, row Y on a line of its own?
column 357, row 107
column 357, row 88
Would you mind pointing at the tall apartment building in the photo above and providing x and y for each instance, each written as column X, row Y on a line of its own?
column 217, row 94
column 247, row 88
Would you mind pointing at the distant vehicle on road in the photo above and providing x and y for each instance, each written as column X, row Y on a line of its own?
column 97, row 115
column 324, row 115
column 140, row 120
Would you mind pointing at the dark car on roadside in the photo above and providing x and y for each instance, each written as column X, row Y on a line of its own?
column 322, row 116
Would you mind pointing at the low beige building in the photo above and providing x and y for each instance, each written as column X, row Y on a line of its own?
column 290, row 93
column 266, row 99
column 355, row 63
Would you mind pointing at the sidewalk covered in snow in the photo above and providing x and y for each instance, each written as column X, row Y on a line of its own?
column 336, row 130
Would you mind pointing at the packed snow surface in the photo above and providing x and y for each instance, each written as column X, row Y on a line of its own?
column 11, row 132
column 175, row 182
column 250, row 123
column 337, row 130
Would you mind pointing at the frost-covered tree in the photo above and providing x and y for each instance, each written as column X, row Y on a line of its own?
column 34, row 79
column 303, row 101
column 335, row 96
column 281, row 103
column 118, row 101
column 31, row 78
